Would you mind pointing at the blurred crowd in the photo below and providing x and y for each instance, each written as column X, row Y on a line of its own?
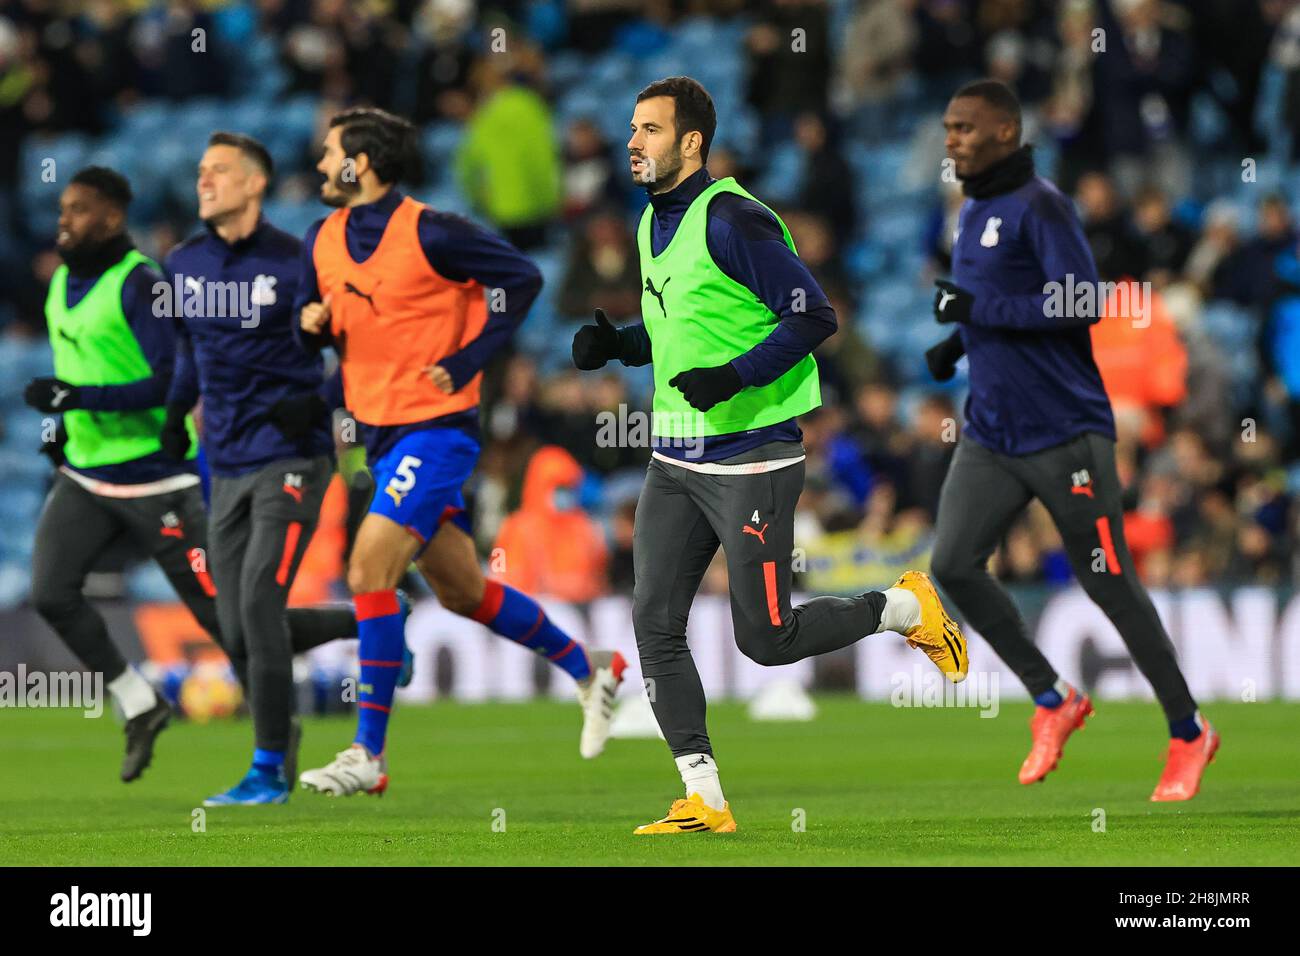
column 1162, row 118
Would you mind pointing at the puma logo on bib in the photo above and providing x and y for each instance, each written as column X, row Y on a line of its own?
column 658, row 293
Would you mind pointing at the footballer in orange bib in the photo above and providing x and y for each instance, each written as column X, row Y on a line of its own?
column 401, row 292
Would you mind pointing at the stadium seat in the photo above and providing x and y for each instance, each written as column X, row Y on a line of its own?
column 780, row 181
column 63, row 155
column 293, row 217
column 22, row 359
column 566, row 69
column 439, row 142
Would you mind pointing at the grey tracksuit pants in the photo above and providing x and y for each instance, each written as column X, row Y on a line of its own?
column 983, row 494
column 681, row 519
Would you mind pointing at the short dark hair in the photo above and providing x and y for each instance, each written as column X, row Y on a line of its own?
column 109, row 183
column 247, row 145
column 996, row 94
column 389, row 141
column 693, row 108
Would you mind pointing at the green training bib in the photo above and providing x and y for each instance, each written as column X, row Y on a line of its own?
column 697, row 316
column 93, row 345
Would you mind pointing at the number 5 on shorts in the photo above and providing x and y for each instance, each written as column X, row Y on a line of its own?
column 403, row 480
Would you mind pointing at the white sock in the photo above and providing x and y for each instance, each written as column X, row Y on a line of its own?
column 133, row 693
column 700, row 775
column 902, row 611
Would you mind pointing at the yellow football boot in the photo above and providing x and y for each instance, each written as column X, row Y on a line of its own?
column 691, row 816
column 937, row 634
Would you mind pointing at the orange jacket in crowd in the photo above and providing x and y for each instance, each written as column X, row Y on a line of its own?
column 1142, row 360
column 550, row 552
column 1145, row 535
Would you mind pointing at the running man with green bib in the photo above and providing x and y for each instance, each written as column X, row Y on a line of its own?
column 113, row 363
column 730, row 318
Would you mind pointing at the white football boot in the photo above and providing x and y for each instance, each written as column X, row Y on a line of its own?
column 352, row 771
column 596, row 695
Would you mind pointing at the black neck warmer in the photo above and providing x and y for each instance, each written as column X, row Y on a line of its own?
column 1003, row 176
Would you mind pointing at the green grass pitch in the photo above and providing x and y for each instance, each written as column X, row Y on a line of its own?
column 874, row 784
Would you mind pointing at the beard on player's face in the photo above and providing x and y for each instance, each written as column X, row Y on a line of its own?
column 87, row 242
column 94, row 251
column 337, row 191
column 84, row 233
column 662, row 171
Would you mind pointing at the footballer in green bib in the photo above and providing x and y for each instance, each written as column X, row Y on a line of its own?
column 729, row 320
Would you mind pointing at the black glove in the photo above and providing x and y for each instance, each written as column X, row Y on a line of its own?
column 594, row 345
column 52, row 395
column 705, row 387
column 952, row 303
column 942, row 358
column 297, row 415
column 53, row 449
column 175, row 435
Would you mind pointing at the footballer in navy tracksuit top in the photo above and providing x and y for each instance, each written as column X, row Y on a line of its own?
column 1038, row 425
column 267, row 435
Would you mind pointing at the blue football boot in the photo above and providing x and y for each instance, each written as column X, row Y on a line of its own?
column 257, row 787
